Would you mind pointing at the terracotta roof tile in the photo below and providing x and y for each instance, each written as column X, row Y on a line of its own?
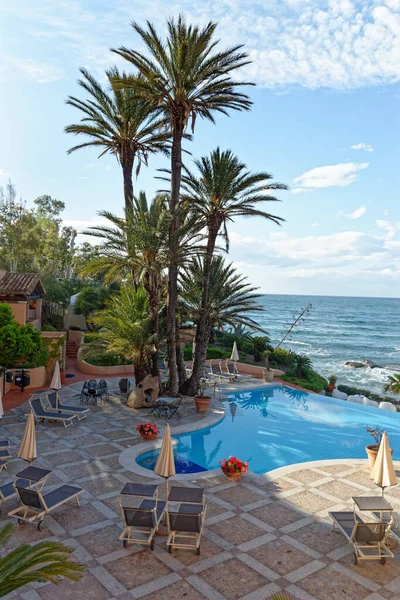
column 22, row 284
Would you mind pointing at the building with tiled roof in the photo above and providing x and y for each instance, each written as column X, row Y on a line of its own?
column 24, row 292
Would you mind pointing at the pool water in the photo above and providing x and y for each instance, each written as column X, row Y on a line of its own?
column 278, row 426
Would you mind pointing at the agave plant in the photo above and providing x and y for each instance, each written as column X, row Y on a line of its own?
column 44, row 561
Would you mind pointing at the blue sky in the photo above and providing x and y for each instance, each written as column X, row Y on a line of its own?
column 326, row 121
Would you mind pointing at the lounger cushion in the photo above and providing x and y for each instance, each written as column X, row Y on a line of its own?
column 30, row 498
column 139, row 518
column 61, row 495
column 4, row 443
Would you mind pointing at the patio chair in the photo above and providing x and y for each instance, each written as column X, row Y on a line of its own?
column 174, row 408
column 368, row 539
column 186, row 523
column 141, row 523
column 35, row 506
column 104, row 389
column 78, row 411
column 41, row 414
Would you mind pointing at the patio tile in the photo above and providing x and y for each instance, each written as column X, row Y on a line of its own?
column 239, row 495
column 276, row 514
column 373, row 570
column 85, row 469
column 305, row 476
column 362, row 477
column 340, row 490
column 309, row 502
column 278, row 486
column 233, row 579
column 180, row 589
column 320, row 537
column 101, row 450
column 334, row 469
column 279, row 556
column 61, row 458
column 88, row 588
column 137, row 569
column 101, row 542
column 112, row 462
column 188, row 557
column 328, row 584
column 236, row 530
column 102, row 485
column 73, row 517
column 214, row 509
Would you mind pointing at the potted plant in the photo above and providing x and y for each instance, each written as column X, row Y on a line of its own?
column 148, row 431
column 202, row 401
column 332, row 383
column 372, row 450
column 234, row 468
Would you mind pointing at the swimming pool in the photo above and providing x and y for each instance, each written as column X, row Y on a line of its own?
column 278, row 426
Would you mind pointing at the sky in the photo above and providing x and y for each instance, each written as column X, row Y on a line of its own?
column 325, row 121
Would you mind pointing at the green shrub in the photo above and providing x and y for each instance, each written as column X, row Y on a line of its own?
column 20, row 344
column 311, row 380
column 211, row 353
column 105, row 359
column 89, row 337
column 282, row 358
column 48, row 327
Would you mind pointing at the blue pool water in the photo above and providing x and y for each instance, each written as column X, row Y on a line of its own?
column 278, row 426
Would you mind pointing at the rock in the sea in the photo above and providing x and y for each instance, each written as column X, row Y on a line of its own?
column 357, row 364
column 354, row 364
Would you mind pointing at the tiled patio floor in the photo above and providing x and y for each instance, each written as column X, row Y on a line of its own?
column 260, row 537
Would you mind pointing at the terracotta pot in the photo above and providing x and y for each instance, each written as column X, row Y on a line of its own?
column 331, row 387
column 372, row 453
column 202, row 403
column 148, row 437
column 268, row 375
column 233, row 475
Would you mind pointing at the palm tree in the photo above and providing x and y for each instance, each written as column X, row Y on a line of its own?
column 393, row 384
column 222, row 190
column 186, row 77
column 44, row 561
column 118, row 123
column 125, row 328
column 231, row 300
column 302, row 361
column 137, row 246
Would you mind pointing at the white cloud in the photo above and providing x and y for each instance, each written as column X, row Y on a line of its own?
column 391, row 227
column 2, row 173
column 386, row 212
column 362, row 146
column 341, row 44
column 355, row 214
column 349, row 262
column 314, row 224
column 339, row 175
column 36, row 71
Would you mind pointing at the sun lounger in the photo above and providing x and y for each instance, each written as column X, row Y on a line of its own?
column 215, row 372
column 35, row 506
column 186, row 522
column 41, row 414
column 7, row 490
column 79, row 411
column 368, row 539
column 140, row 522
column 231, row 369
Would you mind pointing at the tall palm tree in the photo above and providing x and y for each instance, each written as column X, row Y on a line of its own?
column 222, row 190
column 44, row 561
column 125, row 328
column 186, row 77
column 231, row 300
column 393, row 384
column 118, row 123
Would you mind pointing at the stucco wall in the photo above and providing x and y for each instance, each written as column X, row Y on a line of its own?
column 38, row 379
column 19, row 311
column 84, row 367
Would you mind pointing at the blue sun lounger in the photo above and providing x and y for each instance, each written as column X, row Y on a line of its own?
column 41, row 414
column 7, row 490
column 79, row 411
column 35, row 506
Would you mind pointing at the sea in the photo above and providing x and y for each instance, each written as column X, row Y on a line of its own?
column 339, row 329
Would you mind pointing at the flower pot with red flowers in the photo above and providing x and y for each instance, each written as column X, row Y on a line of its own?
column 332, row 383
column 148, row 431
column 234, row 468
column 202, row 402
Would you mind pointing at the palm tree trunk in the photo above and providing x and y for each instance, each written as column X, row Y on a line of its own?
column 127, row 169
column 202, row 331
column 154, row 310
column 172, row 337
